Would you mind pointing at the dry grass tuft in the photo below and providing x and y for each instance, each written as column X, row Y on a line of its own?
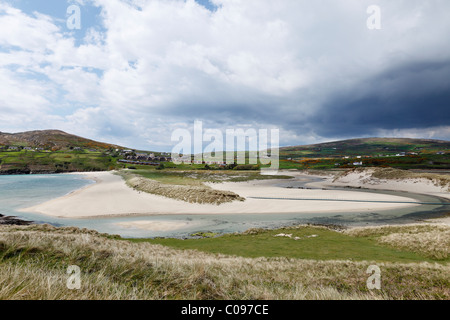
column 432, row 240
column 191, row 194
column 435, row 245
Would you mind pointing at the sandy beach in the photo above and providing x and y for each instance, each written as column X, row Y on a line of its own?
column 110, row 196
column 364, row 180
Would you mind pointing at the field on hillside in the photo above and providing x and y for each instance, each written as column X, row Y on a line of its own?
column 34, row 261
column 370, row 147
column 55, row 162
column 396, row 153
column 425, row 161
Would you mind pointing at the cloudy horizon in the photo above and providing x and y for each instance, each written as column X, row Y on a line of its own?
column 136, row 70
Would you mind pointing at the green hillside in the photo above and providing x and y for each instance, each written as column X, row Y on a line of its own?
column 51, row 140
column 369, row 147
column 54, row 151
column 371, row 152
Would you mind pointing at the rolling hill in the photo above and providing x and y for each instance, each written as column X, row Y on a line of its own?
column 371, row 152
column 49, row 139
column 51, row 151
column 54, row 151
column 368, row 146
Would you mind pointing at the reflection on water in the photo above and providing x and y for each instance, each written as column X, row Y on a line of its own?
column 25, row 191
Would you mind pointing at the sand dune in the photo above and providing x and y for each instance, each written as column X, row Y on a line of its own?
column 416, row 185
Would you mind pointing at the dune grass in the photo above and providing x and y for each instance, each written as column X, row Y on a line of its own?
column 432, row 241
column 34, row 261
column 190, row 186
column 199, row 177
column 200, row 194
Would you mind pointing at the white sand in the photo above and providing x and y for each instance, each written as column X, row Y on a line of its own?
column 110, row 196
column 364, row 180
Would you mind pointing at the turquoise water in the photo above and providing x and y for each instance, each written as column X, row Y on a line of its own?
column 22, row 191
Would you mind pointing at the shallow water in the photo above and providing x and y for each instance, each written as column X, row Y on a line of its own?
column 22, row 191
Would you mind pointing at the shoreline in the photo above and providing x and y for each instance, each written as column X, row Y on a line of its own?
column 14, row 221
column 419, row 186
column 110, row 197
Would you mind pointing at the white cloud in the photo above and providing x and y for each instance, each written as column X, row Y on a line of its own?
column 442, row 132
column 161, row 62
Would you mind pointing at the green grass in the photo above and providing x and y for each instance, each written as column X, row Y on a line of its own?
column 328, row 245
column 425, row 161
column 427, row 158
column 198, row 177
column 34, row 260
column 54, row 162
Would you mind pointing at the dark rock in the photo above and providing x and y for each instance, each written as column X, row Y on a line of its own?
column 13, row 221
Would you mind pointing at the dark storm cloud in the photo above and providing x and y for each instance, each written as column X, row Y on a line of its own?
column 412, row 96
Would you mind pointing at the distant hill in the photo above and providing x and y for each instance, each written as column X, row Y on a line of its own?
column 54, row 151
column 368, row 146
column 49, row 139
column 371, row 152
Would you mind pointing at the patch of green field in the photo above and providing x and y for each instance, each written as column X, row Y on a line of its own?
column 426, row 150
column 171, row 177
column 51, row 162
column 314, row 243
column 34, row 261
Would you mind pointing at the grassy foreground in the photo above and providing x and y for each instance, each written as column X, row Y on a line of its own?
column 414, row 243
column 34, row 260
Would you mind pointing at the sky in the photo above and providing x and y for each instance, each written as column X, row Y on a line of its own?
column 137, row 70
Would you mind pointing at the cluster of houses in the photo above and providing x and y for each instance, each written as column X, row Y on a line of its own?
column 147, row 157
column 187, row 159
column 360, row 162
column 401, row 154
